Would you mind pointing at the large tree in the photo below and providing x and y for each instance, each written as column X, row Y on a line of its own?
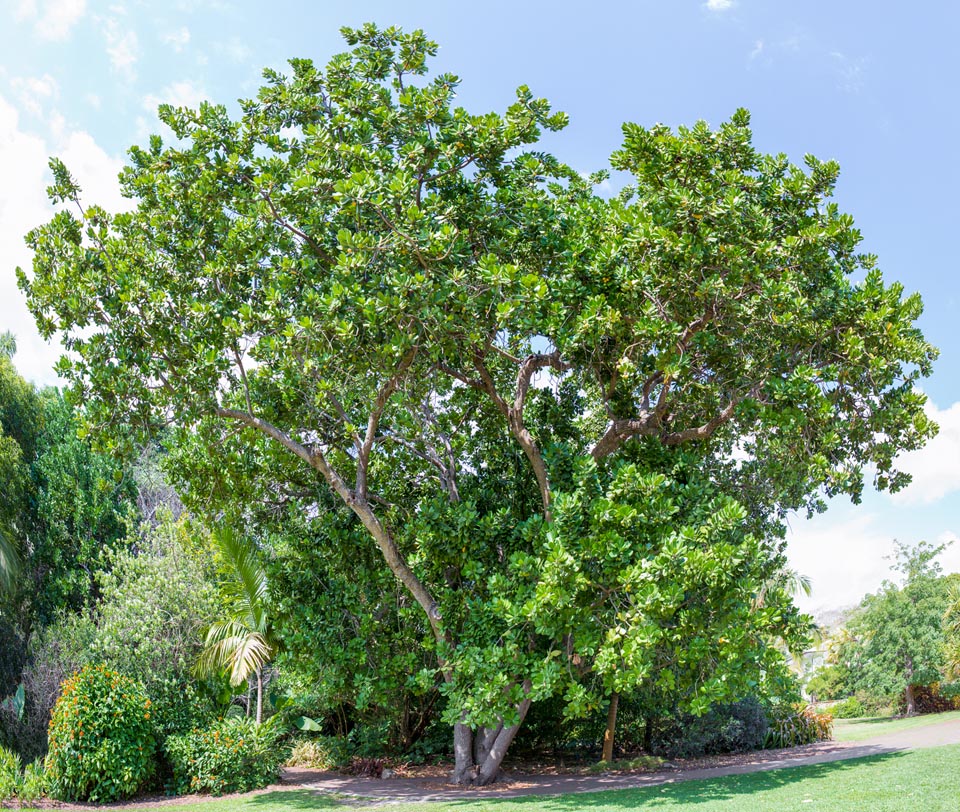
column 378, row 284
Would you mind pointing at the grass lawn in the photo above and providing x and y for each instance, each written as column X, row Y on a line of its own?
column 918, row 780
column 852, row 730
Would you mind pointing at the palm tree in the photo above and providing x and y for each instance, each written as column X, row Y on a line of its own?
column 243, row 641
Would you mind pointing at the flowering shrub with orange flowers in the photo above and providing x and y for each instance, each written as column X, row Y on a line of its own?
column 101, row 737
column 232, row 755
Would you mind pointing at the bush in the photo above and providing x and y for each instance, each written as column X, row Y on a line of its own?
column 931, row 699
column 61, row 650
column 849, row 708
column 9, row 773
column 318, row 752
column 734, row 728
column 794, row 725
column 232, row 755
column 101, row 740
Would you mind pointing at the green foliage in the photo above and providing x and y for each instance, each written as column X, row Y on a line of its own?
column 733, row 728
column 9, row 774
column 244, row 641
column 358, row 281
column 101, row 739
column 318, row 752
column 896, row 638
column 33, row 783
column 232, row 755
column 156, row 599
column 830, row 681
column 849, row 708
column 796, row 725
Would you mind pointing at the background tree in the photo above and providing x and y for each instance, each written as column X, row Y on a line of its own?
column 372, row 281
column 896, row 637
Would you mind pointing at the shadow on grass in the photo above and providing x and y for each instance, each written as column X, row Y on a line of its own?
column 694, row 791
column 294, row 799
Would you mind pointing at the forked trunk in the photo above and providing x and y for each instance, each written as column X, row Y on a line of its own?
column 608, row 734
column 479, row 754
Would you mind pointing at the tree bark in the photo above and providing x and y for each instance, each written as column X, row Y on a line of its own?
column 259, row 696
column 464, row 770
column 911, row 699
column 608, row 734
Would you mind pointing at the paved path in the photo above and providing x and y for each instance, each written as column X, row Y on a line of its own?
column 409, row 790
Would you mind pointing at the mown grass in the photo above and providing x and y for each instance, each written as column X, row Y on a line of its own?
column 917, row 780
column 852, row 730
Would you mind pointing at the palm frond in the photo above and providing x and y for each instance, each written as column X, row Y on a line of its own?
column 9, row 560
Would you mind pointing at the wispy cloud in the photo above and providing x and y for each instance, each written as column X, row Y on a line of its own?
column 234, row 49
column 33, row 92
column 849, row 71
column 122, row 48
column 180, row 94
column 757, row 49
column 52, row 20
column 178, row 40
column 719, row 5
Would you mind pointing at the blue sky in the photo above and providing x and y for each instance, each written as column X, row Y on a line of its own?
column 871, row 85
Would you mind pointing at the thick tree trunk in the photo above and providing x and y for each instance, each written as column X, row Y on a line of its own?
column 911, row 702
column 608, row 734
column 479, row 755
column 259, row 696
column 464, row 770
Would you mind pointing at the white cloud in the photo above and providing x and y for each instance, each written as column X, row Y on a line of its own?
column 122, row 47
column 757, row 49
column 180, row 94
column 93, row 100
column 178, row 40
column 718, row 5
column 24, row 205
column 34, row 91
column 935, row 467
column 844, row 559
column 54, row 19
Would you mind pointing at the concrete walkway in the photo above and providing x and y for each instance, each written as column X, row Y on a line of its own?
column 411, row 790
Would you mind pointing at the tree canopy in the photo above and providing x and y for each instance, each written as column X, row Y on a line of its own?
column 356, row 278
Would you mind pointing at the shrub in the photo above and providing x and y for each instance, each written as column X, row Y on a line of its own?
column 318, row 752
column 232, row 755
column 931, row 698
column 794, row 725
column 734, row 728
column 9, row 773
column 101, row 740
column 849, row 708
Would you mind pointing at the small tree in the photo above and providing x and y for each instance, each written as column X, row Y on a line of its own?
column 243, row 641
column 896, row 637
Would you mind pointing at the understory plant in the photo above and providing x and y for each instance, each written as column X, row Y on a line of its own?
column 231, row 755
column 101, row 738
column 796, row 725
